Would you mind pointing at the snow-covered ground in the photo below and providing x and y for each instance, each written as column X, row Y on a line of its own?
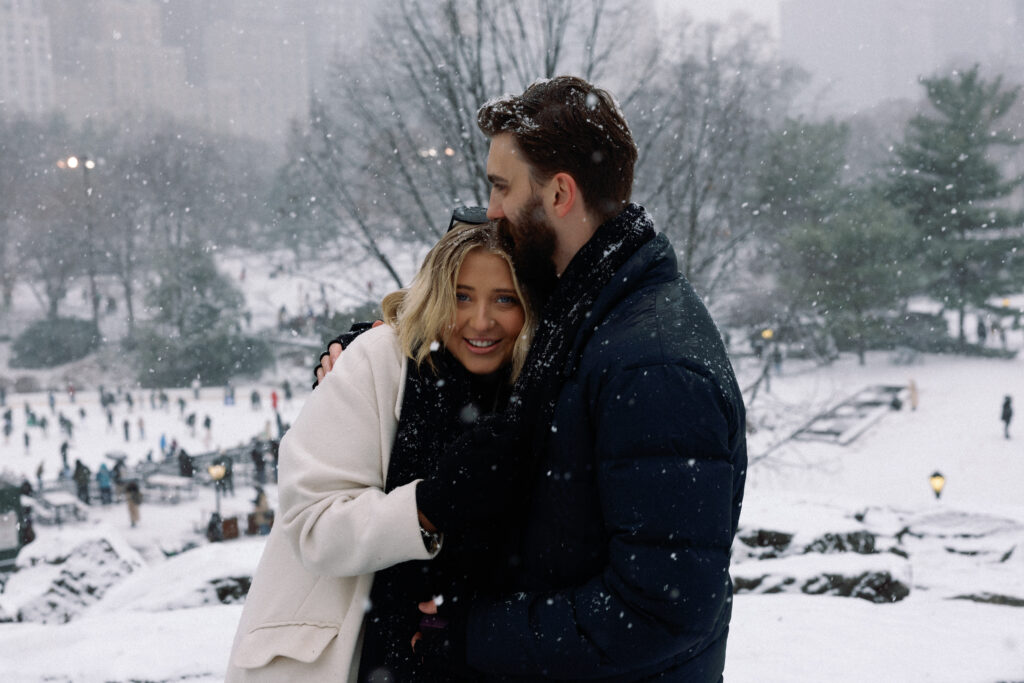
column 102, row 601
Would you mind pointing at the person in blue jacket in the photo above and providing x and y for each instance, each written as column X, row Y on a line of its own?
column 104, row 481
column 621, row 457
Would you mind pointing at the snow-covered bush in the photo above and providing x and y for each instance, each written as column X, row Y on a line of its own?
column 53, row 342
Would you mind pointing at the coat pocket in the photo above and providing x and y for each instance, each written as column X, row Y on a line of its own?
column 303, row 641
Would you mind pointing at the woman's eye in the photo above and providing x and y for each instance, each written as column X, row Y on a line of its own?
column 508, row 300
column 459, row 296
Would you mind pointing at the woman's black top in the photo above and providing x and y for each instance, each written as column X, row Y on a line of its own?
column 438, row 406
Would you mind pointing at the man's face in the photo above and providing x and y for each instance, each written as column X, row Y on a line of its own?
column 518, row 207
column 509, row 175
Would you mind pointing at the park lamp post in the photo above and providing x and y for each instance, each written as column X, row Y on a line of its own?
column 86, row 164
column 217, row 473
column 938, row 482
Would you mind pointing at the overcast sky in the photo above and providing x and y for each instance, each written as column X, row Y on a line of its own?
column 766, row 11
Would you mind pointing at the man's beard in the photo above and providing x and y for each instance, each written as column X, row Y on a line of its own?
column 533, row 250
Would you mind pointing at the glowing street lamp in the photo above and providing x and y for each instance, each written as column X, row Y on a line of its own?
column 938, row 481
column 767, row 333
column 217, row 473
column 86, row 164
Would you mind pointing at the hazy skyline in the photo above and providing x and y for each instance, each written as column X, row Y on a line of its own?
column 766, row 11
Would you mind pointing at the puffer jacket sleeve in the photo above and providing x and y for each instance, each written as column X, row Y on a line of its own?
column 334, row 462
column 665, row 482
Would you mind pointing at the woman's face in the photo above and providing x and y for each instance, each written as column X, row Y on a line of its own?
column 488, row 313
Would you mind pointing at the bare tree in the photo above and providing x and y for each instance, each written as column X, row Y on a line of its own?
column 699, row 127
column 29, row 150
column 52, row 255
column 396, row 145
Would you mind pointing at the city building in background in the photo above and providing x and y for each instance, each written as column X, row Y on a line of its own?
column 26, row 71
column 245, row 67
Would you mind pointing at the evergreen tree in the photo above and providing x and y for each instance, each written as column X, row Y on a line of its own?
column 849, row 266
column 800, row 176
column 950, row 187
column 196, row 329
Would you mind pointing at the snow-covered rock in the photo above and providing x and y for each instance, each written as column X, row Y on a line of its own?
column 877, row 578
column 56, row 584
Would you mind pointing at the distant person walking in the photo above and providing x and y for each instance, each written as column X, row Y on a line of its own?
column 259, row 464
column 262, row 514
column 82, row 475
column 1006, row 415
column 104, row 481
column 127, row 430
column 912, row 390
column 133, row 496
column 185, row 467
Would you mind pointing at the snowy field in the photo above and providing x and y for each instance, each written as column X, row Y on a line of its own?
column 102, row 601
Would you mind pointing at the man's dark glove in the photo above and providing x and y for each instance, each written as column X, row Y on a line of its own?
column 478, row 476
column 345, row 338
column 442, row 649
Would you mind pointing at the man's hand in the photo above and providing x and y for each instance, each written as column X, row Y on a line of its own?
column 428, row 608
column 335, row 347
column 441, row 639
column 327, row 359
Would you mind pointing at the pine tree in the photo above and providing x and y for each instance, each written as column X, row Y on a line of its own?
column 944, row 178
column 849, row 265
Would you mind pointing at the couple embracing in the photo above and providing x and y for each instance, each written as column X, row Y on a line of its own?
column 534, row 469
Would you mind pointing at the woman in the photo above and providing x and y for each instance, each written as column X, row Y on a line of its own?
column 453, row 344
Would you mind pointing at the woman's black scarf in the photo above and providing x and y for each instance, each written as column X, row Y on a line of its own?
column 439, row 403
column 566, row 311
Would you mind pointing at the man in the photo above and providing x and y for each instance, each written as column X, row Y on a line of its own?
column 623, row 456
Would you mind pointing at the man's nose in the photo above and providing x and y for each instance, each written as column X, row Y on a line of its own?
column 494, row 210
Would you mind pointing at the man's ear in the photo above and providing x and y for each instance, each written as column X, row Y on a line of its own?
column 565, row 194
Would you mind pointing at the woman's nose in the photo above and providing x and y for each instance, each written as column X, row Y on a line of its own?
column 482, row 319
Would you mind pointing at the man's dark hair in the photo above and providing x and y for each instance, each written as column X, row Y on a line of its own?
column 565, row 124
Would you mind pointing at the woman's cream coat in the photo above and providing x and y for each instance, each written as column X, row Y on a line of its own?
column 303, row 616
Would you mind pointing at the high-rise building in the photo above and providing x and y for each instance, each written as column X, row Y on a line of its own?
column 109, row 59
column 861, row 52
column 237, row 66
column 256, row 80
column 26, row 72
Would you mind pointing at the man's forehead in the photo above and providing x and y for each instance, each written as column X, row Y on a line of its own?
column 503, row 151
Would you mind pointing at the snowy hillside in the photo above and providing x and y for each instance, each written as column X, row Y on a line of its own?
column 848, row 567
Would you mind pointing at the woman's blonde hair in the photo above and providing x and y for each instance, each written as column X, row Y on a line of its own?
column 423, row 313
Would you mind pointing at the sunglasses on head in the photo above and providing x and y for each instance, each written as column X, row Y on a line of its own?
column 474, row 215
